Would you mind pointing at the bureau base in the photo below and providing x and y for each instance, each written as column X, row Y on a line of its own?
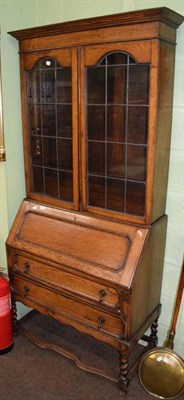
column 73, row 348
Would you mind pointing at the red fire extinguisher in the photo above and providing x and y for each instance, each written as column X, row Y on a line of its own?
column 6, row 323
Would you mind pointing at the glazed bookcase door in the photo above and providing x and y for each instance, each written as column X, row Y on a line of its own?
column 116, row 99
column 51, row 134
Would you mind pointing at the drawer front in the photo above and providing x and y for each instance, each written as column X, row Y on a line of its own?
column 66, row 280
column 68, row 307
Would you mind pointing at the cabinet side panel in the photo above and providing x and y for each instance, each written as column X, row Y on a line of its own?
column 24, row 126
column 146, row 288
column 163, row 134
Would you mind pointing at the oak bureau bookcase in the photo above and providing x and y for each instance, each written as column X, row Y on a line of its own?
column 87, row 245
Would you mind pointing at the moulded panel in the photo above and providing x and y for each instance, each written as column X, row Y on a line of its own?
column 101, row 248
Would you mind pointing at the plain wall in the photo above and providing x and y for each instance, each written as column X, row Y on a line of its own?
column 27, row 13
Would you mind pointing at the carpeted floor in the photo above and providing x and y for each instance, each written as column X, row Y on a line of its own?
column 28, row 372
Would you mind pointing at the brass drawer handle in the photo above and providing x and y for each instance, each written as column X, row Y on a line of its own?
column 26, row 290
column 14, row 267
column 102, row 294
column 101, row 321
column 26, row 267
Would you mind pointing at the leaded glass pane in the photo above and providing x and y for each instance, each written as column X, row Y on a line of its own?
column 117, row 129
column 49, row 105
